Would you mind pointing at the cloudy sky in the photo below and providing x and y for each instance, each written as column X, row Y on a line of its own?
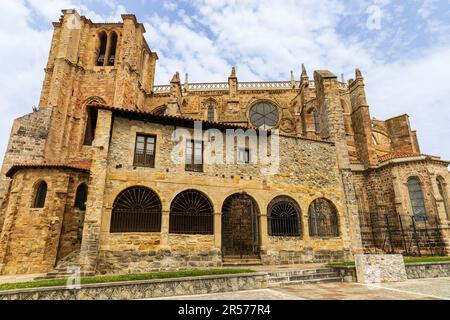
column 402, row 48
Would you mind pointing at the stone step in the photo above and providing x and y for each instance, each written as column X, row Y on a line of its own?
column 241, row 262
column 303, row 282
column 304, row 277
column 290, row 273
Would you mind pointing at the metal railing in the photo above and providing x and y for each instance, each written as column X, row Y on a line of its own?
column 405, row 234
column 224, row 86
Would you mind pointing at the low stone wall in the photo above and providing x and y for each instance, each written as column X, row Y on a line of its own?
column 413, row 271
column 116, row 262
column 145, row 289
column 308, row 255
column 428, row 270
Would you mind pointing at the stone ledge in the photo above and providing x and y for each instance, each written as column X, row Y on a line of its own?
column 416, row 270
column 144, row 289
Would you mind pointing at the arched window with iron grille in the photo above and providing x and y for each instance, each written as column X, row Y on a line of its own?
column 417, row 199
column 40, row 195
column 191, row 212
column 81, row 197
column 283, row 216
column 136, row 209
column 323, row 219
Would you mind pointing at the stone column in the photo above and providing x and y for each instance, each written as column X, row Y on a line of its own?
column 218, row 230
column 264, row 231
column 165, row 229
column 96, row 200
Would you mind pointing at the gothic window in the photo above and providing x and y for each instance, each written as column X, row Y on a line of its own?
column 194, row 156
column 137, row 209
column 102, row 53
column 144, row 152
column 81, row 197
column 211, row 113
column 264, row 115
column 323, row 219
column 443, row 193
column 417, row 199
column 113, row 49
column 316, row 120
column 283, row 216
column 191, row 212
column 40, row 195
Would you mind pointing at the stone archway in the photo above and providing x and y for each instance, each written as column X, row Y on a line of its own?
column 240, row 227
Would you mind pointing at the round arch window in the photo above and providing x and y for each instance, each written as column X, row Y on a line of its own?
column 264, row 115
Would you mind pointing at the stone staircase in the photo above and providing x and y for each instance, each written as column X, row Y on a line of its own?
column 62, row 269
column 241, row 262
column 304, row 276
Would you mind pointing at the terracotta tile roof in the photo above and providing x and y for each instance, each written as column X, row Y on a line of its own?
column 84, row 166
column 398, row 155
column 170, row 117
column 188, row 120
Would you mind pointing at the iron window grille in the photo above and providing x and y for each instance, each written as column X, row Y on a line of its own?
column 145, row 151
column 284, row 218
column 137, row 209
column 191, row 212
column 323, row 219
column 194, row 156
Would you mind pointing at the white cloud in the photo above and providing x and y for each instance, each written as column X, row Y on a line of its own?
column 264, row 39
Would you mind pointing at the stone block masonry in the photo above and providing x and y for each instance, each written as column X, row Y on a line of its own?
column 134, row 290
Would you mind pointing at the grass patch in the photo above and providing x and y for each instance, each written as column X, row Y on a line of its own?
column 342, row 264
column 407, row 261
column 426, row 259
column 121, row 278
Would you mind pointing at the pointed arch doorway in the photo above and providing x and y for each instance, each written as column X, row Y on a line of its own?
column 240, row 227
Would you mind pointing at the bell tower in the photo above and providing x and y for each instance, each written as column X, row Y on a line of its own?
column 108, row 63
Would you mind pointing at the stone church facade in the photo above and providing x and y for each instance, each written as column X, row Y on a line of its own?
column 88, row 178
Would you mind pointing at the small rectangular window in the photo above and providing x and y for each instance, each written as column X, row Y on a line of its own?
column 91, row 125
column 244, row 156
column 145, row 151
column 194, row 156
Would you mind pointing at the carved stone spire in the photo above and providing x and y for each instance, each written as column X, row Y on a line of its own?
column 358, row 73
column 186, row 82
column 304, row 77
column 292, row 79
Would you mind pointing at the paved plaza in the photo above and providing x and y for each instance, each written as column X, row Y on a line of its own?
column 424, row 289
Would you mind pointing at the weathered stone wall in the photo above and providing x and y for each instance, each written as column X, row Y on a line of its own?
column 26, row 143
column 307, row 171
column 428, row 270
column 145, row 289
column 30, row 239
